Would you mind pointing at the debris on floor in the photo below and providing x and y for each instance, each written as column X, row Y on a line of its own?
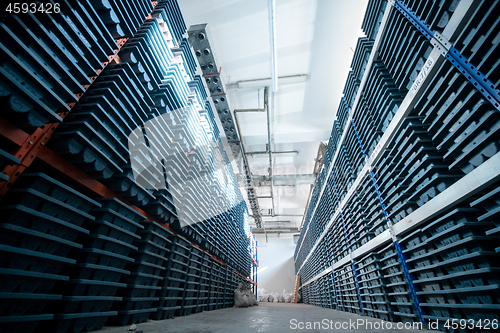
column 243, row 296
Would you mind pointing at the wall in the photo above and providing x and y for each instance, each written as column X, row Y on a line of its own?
column 276, row 268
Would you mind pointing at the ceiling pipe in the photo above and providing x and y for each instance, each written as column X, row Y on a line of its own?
column 264, row 109
column 295, row 179
column 242, row 144
column 264, row 184
column 292, row 215
column 278, row 205
column 270, row 149
column 274, row 78
column 265, row 82
column 272, row 40
column 246, row 167
column 274, row 152
column 276, row 231
column 274, row 222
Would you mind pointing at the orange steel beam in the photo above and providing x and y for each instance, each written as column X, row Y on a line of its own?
column 246, row 278
column 253, row 260
column 13, row 133
column 57, row 162
column 214, row 258
column 26, row 152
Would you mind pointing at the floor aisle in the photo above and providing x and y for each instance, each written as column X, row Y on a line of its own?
column 267, row 317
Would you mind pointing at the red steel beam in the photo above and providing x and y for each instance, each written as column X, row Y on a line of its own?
column 60, row 164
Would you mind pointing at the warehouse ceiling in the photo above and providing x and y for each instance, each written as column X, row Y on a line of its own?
column 316, row 38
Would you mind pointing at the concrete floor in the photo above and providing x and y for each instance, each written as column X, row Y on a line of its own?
column 267, row 317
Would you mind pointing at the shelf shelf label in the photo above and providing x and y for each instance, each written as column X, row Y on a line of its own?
column 422, row 75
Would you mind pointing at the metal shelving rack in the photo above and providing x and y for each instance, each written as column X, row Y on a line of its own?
column 403, row 293
column 100, row 42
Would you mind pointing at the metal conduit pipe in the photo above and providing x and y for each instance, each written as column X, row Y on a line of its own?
column 278, row 215
column 274, row 152
column 242, row 143
column 245, row 161
column 266, row 108
column 270, row 148
column 272, row 41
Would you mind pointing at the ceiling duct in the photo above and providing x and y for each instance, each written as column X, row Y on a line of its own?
column 199, row 39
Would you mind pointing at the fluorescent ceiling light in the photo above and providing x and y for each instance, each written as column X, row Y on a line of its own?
column 259, row 83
